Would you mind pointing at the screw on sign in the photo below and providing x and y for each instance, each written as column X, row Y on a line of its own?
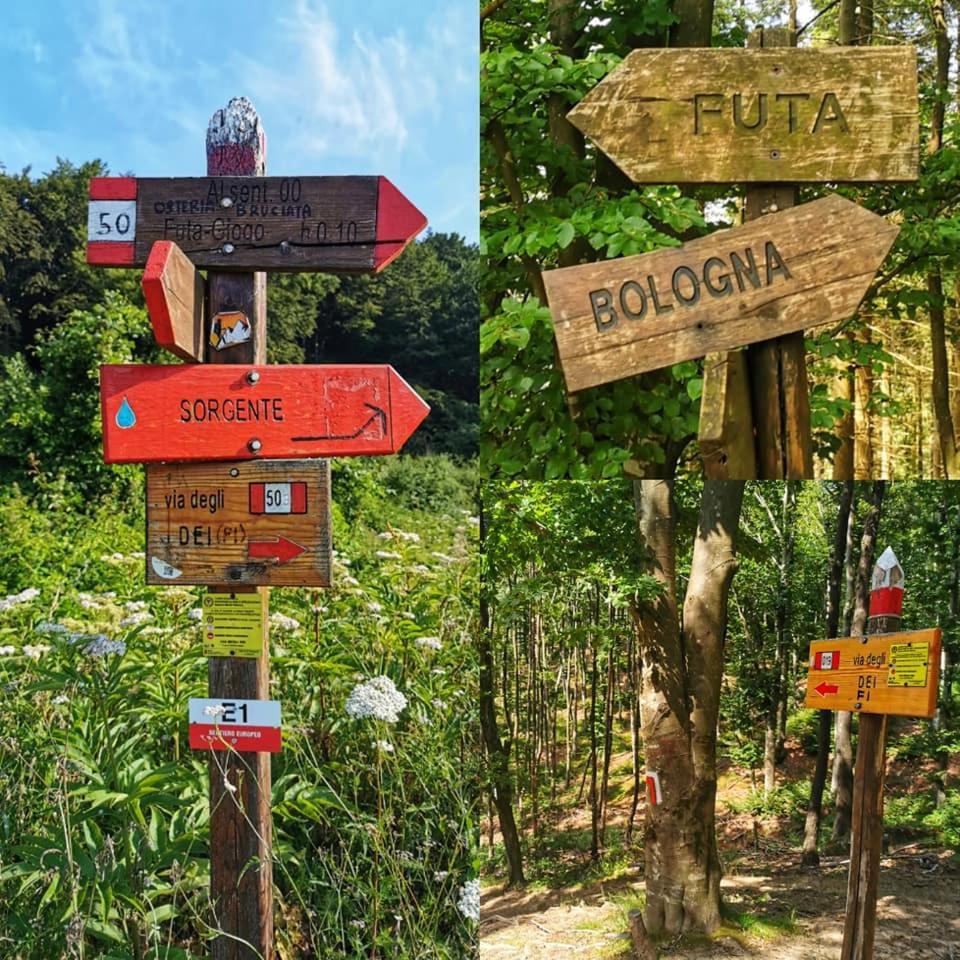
column 887, row 672
column 254, row 520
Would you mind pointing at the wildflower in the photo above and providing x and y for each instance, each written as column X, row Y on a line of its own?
column 7, row 651
column 383, row 745
column 351, row 581
column 474, row 520
column 440, row 876
column 408, row 537
column 47, row 626
column 101, row 646
column 283, row 622
column 444, row 558
column 386, row 535
column 439, row 704
column 133, row 606
column 214, row 710
column 377, row 698
column 316, row 608
column 15, row 599
column 388, row 555
column 428, row 643
column 421, row 568
column 359, row 924
column 88, row 603
column 195, row 614
column 35, row 652
column 60, row 699
column 374, row 607
column 135, row 619
column 407, row 615
column 469, row 902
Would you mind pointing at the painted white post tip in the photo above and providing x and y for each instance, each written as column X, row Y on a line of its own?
column 237, row 122
column 888, row 559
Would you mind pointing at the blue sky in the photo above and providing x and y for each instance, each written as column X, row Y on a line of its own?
column 362, row 87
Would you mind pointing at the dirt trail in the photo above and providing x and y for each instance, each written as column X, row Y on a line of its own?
column 918, row 914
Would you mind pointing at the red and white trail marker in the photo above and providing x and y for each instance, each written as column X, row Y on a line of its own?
column 654, row 793
column 247, row 726
column 188, row 412
column 886, row 586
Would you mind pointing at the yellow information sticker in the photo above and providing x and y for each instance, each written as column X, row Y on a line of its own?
column 908, row 665
column 233, row 624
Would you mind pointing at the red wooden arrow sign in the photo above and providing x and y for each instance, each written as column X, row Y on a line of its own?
column 824, row 688
column 329, row 224
column 281, row 549
column 153, row 414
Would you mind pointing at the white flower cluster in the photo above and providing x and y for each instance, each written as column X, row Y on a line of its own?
column 469, row 902
column 47, row 626
column 377, row 698
column 101, row 646
column 134, row 606
column 283, row 622
column 7, row 651
column 214, row 710
column 351, row 581
column 136, row 618
column 195, row 614
column 399, row 535
column 385, row 745
column 429, row 643
column 35, row 652
column 374, row 607
column 444, row 558
column 15, row 599
column 388, row 555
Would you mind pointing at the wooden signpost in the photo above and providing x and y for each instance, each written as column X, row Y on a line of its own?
column 176, row 412
column 263, row 522
column 886, row 672
column 253, row 519
column 320, row 224
column 773, row 116
column 768, row 116
column 785, row 272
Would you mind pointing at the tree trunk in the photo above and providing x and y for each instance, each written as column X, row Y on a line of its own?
column 594, row 799
column 847, row 23
column 498, row 753
column 680, row 694
column 694, row 27
column 868, row 542
column 607, row 746
column 811, row 828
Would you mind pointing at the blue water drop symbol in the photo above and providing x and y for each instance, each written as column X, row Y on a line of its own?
column 125, row 417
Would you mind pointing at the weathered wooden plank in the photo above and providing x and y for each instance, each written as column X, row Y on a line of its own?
column 256, row 522
column 785, row 272
column 768, row 116
column 726, row 425
column 175, row 293
column 347, row 224
column 893, row 673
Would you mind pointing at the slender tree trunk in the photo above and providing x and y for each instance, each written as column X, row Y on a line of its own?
column 811, row 829
column 594, row 798
column 868, row 542
column 847, row 23
column 498, row 753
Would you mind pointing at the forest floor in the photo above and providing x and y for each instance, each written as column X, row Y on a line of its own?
column 777, row 909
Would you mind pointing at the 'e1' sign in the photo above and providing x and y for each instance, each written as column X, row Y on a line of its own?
column 784, row 272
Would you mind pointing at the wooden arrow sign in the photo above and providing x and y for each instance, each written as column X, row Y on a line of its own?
column 262, row 522
column 778, row 115
column 328, row 224
column 179, row 413
column 784, row 272
column 175, row 293
column 893, row 673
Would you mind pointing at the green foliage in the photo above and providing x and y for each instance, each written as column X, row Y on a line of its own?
column 104, row 825
column 804, row 726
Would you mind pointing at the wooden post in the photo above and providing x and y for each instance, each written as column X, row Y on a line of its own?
column 778, row 372
column 866, row 841
column 241, row 849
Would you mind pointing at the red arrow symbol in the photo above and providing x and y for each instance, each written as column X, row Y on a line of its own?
column 282, row 550
column 823, row 688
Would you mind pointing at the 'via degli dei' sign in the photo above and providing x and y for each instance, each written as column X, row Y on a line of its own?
column 732, row 115
column 784, row 272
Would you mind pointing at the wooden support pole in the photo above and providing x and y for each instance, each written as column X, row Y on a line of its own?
column 779, row 390
column 241, row 864
column 866, row 840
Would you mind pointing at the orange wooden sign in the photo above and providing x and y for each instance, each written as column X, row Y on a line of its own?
column 893, row 673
